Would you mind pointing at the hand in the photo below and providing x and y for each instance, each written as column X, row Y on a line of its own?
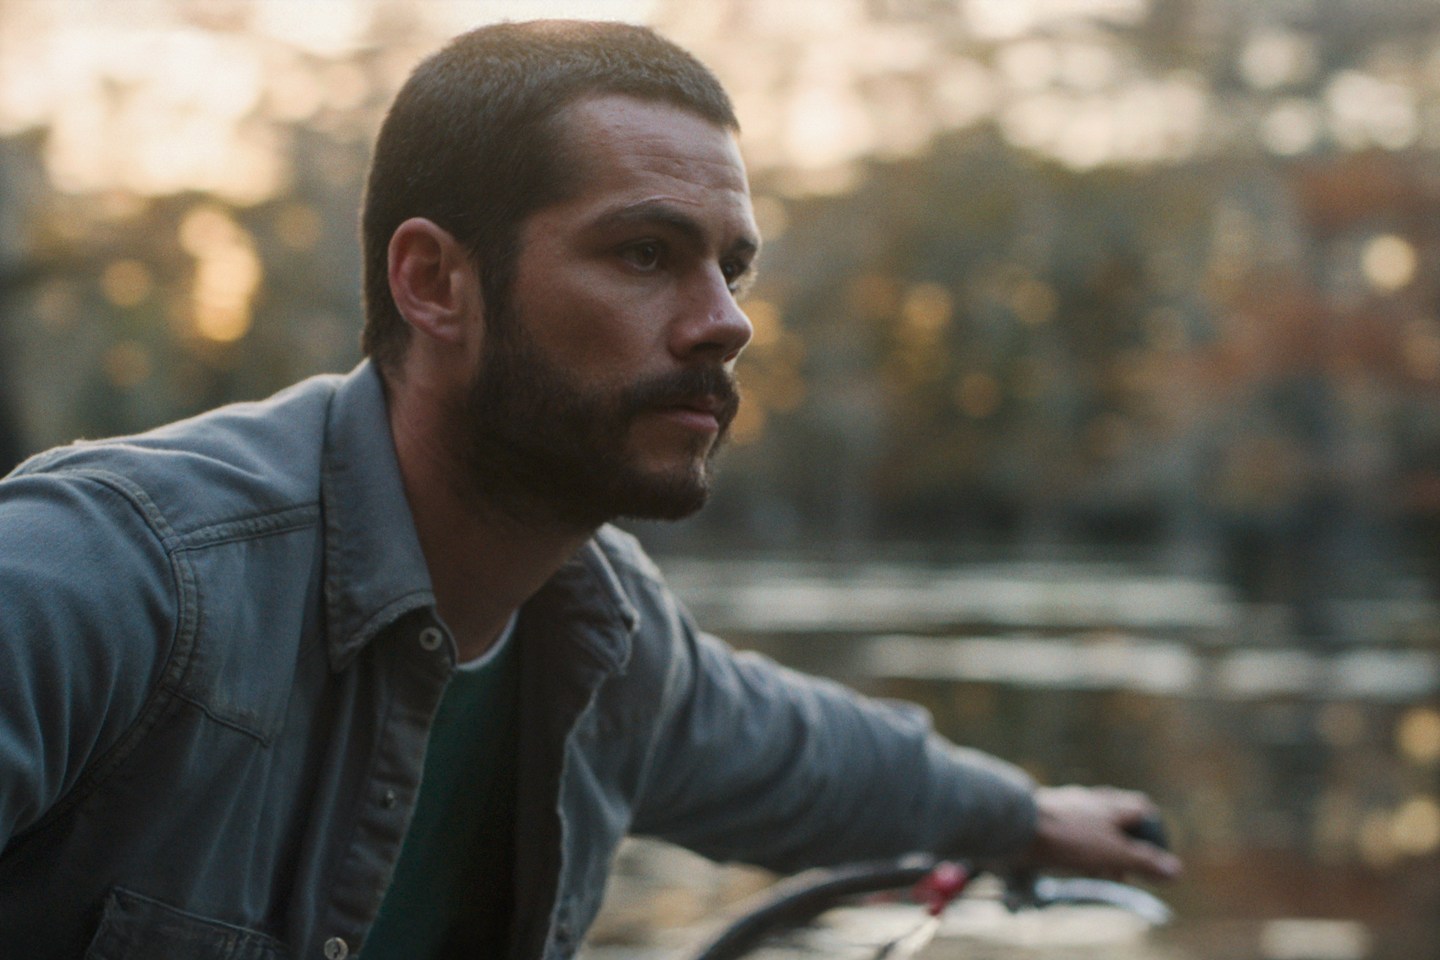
column 1083, row 829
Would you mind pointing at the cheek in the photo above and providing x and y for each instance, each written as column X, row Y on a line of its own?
column 603, row 338
column 586, row 316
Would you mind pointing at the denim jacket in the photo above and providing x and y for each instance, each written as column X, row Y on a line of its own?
column 219, row 662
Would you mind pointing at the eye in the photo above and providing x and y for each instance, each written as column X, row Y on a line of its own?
column 644, row 254
column 735, row 272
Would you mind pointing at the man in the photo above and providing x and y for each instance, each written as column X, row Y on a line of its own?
column 232, row 646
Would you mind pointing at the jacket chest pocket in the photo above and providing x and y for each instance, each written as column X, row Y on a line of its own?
column 138, row 928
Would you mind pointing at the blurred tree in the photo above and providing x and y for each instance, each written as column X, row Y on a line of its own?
column 12, row 445
column 19, row 269
column 1015, row 283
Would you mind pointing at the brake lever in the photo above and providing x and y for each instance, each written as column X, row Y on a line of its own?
column 1048, row 891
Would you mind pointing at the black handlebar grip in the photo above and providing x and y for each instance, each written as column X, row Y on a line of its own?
column 1151, row 830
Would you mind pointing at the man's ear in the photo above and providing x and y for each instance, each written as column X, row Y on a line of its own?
column 433, row 281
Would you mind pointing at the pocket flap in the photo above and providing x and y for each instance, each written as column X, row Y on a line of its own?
column 134, row 927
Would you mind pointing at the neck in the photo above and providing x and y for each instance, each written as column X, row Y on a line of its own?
column 483, row 562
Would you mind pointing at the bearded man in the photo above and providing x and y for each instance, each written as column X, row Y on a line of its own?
column 363, row 669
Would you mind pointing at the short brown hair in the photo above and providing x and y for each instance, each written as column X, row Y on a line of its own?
column 470, row 142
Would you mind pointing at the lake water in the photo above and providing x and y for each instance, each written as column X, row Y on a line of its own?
column 1300, row 779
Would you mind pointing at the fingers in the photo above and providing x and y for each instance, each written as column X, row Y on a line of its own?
column 1139, row 818
column 1152, row 862
column 1126, row 807
column 1085, row 829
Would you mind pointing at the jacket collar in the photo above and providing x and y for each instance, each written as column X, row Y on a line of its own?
column 586, row 597
column 375, row 571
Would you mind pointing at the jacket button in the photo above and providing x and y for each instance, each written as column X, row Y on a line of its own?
column 431, row 638
column 336, row 949
column 390, row 799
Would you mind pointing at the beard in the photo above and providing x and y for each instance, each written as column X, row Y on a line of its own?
column 542, row 447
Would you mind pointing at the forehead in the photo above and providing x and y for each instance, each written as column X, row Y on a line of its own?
column 632, row 151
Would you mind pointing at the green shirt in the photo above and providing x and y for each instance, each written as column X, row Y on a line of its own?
column 452, row 893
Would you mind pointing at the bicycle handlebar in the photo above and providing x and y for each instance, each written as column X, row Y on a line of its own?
column 799, row 899
column 935, row 882
column 796, row 901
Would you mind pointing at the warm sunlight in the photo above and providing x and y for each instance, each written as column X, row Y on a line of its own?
column 160, row 97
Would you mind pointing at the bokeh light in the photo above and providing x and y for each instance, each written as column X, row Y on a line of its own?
column 1389, row 262
column 227, row 274
column 1418, row 735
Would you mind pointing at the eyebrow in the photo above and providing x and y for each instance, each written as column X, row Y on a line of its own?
column 663, row 212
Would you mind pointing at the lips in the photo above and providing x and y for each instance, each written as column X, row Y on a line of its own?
column 710, row 404
column 721, row 407
column 707, row 414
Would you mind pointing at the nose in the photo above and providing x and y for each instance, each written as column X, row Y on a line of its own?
column 712, row 327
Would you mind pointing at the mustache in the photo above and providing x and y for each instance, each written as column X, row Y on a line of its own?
column 685, row 387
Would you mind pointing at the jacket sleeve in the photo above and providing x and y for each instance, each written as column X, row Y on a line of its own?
column 758, row 763
column 87, row 603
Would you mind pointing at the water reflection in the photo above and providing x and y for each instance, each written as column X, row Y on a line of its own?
column 1299, row 779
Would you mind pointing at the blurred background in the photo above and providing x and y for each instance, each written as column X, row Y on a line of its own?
column 1094, row 400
